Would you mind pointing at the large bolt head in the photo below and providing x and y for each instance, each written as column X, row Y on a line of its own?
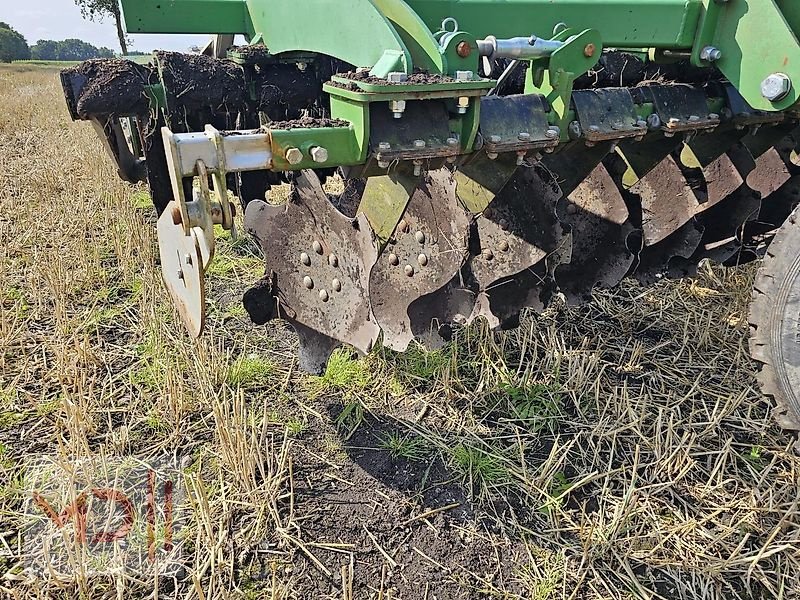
column 319, row 154
column 294, row 156
column 776, row 87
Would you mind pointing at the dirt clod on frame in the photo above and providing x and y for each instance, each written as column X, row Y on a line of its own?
column 617, row 450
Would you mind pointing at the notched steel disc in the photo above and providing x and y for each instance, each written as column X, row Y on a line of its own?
column 599, row 219
column 320, row 260
column 426, row 251
column 519, row 241
column 181, row 268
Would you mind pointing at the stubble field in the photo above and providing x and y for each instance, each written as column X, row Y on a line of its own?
column 615, row 450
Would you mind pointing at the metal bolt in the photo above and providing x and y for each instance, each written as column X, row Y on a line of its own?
column 187, row 258
column 641, row 123
column 589, row 50
column 333, row 260
column 383, row 164
column 524, row 136
column 397, row 77
column 417, row 168
column 491, row 155
column 384, row 146
column 452, row 142
column 319, row 154
column 553, row 132
column 710, row 54
column 488, row 254
column 317, row 246
column 694, row 118
column 336, row 285
column 463, row 49
column 305, row 259
column 308, row 282
column 323, row 295
column 776, row 87
column 293, row 156
column 713, row 117
column 673, row 121
column 521, row 157
column 398, row 107
column 654, row 121
column 464, row 75
column 495, row 139
column 463, row 104
column 422, row 260
column 574, row 130
column 594, row 128
column 420, row 237
column 504, row 246
column 419, row 143
column 301, row 66
column 409, row 270
column 393, row 260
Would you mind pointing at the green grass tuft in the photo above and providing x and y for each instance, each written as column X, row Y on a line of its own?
column 250, row 370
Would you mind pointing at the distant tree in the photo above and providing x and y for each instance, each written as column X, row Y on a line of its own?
column 99, row 9
column 45, row 50
column 12, row 45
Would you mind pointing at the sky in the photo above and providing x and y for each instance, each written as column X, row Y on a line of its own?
column 61, row 19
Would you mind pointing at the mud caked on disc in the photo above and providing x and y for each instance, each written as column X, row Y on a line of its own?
column 425, row 252
column 519, row 241
column 319, row 262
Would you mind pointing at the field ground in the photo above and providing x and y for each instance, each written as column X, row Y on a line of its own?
column 614, row 450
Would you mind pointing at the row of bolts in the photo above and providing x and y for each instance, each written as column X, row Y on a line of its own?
column 394, row 260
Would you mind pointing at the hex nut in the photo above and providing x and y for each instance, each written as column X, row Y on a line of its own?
column 776, row 87
column 710, row 54
column 293, row 156
column 319, row 154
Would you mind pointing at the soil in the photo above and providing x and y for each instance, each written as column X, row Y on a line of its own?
column 376, row 495
column 195, row 81
column 254, row 53
column 110, row 87
column 417, row 78
column 307, row 123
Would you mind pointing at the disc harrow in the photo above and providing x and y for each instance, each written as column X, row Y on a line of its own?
column 487, row 169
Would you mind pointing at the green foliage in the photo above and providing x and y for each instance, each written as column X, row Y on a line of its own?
column 68, row 50
column 343, row 373
column 477, row 466
column 251, row 370
column 12, row 45
column 405, row 446
column 537, row 404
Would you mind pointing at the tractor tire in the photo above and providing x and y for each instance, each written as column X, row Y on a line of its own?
column 775, row 323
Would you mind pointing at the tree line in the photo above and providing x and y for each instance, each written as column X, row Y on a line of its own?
column 13, row 46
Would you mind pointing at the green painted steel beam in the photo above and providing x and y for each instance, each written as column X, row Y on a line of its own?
column 354, row 31
column 623, row 23
column 187, row 16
